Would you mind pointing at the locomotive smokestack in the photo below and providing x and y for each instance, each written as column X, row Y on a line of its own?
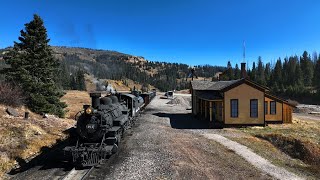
column 95, row 101
column 243, row 70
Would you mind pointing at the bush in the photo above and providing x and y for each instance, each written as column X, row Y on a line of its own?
column 11, row 95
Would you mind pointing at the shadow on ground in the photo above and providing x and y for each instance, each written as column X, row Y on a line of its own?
column 187, row 121
column 49, row 158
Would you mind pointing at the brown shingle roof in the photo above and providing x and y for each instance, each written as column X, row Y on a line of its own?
column 212, row 85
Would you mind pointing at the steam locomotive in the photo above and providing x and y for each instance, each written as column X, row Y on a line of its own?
column 101, row 125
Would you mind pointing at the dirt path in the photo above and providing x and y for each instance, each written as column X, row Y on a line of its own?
column 162, row 146
column 256, row 160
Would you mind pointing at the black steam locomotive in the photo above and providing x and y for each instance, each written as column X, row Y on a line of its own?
column 101, row 125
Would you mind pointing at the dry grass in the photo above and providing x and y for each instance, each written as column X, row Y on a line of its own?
column 75, row 101
column 303, row 130
column 23, row 139
column 294, row 146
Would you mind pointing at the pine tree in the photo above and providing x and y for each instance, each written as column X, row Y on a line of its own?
column 253, row 72
column 229, row 74
column 80, row 80
column 260, row 72
column 267, row 73
column 285, row 71
column 277, row 73
column 307, row 68
column 33, row 68
column 316, row 79
column 63, row 78
column 237, row 72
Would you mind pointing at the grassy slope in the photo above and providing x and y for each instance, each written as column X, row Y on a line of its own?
column 288, row 145
column 24, row 139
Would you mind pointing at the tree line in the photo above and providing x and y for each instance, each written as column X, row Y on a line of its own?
column 294, row 76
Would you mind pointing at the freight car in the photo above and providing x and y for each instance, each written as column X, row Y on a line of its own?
column 147, row 97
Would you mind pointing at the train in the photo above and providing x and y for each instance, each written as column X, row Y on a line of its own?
column 101, row 125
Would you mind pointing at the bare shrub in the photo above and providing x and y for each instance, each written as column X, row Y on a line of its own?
column 11, row 95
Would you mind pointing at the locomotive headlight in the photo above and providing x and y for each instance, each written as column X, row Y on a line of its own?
column 88, row 111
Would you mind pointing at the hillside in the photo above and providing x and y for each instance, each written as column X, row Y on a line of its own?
column 112, row 65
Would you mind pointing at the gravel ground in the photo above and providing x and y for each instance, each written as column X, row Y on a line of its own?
column 306, row 116
column 163, row 146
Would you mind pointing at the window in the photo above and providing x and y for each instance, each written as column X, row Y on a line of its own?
column 234, row 108
column 273, row 108
column 266, row 107
column 254, row 108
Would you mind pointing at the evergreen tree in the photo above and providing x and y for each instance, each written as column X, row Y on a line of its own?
column 80, row 80
column 307, row 68
column 237, row 72
column 316, row 79
column 229, row 74
column 74, row 84
column 33, row 68
column 285, row 71
column 276, row 76
column 267, row 73
column 260, row 73
column 295, row 75
column 253, row 72
column 63, row 78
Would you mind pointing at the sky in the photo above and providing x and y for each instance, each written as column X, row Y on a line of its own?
column 184, row 31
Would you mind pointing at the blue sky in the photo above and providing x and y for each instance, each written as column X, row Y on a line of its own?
column 186, row 31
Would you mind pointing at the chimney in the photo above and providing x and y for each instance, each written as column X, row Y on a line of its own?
column 243, row 70
column 95, row 101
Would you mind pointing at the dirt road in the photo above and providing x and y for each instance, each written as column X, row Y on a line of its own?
column 163, row 146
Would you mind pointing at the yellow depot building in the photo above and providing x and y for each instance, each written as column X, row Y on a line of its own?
column 238, row 102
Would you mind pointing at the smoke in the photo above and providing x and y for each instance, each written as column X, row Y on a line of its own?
column 110, row 89
column 102, row 86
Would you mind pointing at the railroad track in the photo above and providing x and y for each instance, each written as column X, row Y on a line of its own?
column 78, row 174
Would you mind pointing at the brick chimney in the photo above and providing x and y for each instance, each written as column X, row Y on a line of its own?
column 243, row 70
